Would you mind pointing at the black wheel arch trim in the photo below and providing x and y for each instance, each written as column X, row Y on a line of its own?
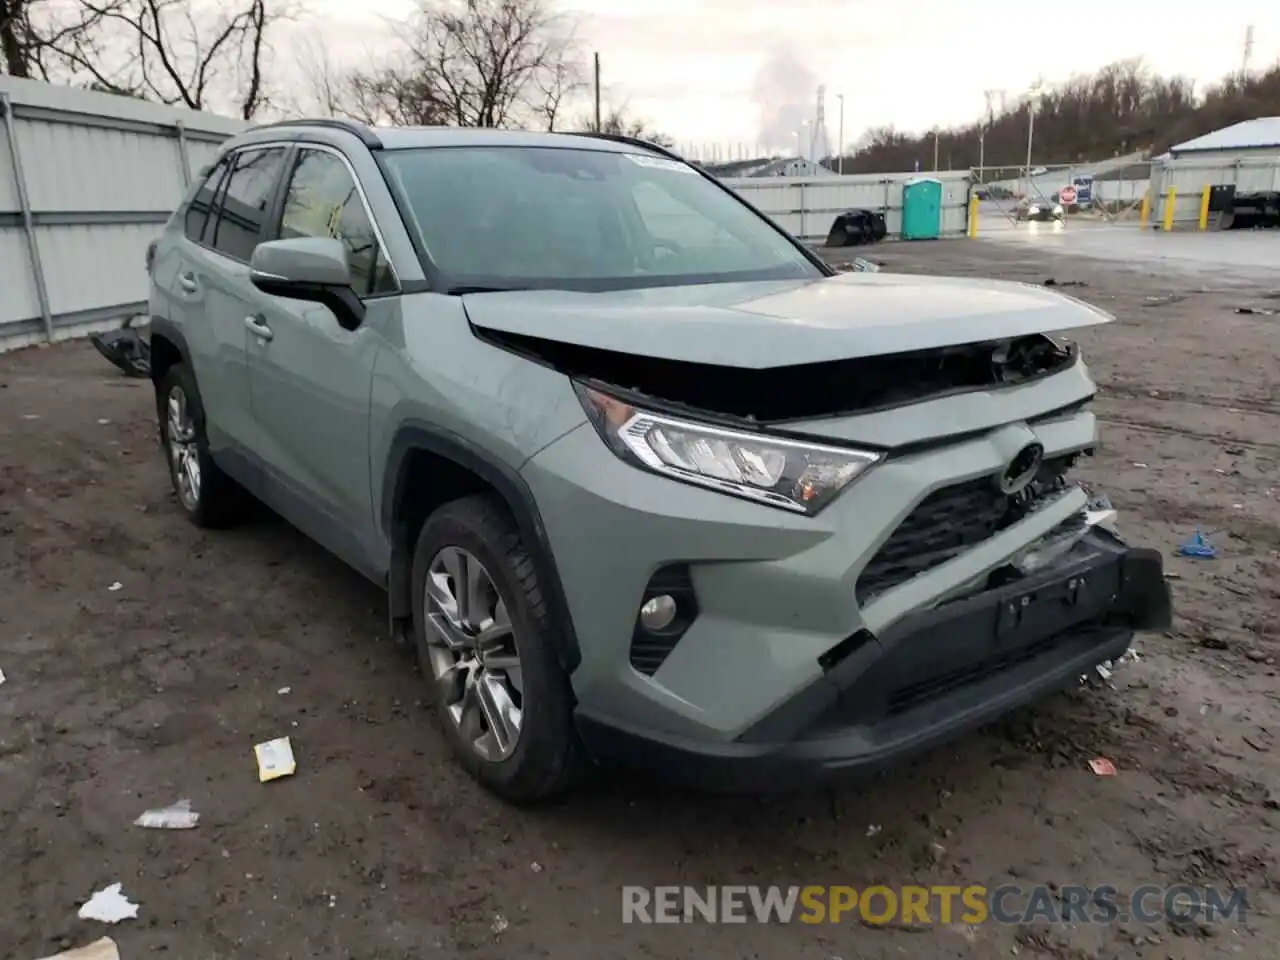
column 414, row 436
column 169, row 330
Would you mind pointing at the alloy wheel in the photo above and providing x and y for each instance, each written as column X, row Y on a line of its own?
column 184, row 456
column 473, row 653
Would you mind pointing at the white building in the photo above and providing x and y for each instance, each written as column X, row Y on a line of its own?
column 1247, row 140
column 1244, row 155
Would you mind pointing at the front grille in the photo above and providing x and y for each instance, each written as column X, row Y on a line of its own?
column 952, row 520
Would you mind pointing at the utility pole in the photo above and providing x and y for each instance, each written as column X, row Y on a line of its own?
column 982, row 132
column 818, row 141
column 597, row 85
column 1032, row 102
column 1248, row 52
column 935, row 150
column 840, row 155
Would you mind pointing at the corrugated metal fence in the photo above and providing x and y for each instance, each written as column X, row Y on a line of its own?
column 1188, row 176
column 86, row 180
column 806, row 206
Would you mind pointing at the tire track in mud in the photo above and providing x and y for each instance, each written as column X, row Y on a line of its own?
column 1215, row 439
column 1119, row 390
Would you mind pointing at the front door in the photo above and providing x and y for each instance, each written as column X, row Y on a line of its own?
column 309, row 378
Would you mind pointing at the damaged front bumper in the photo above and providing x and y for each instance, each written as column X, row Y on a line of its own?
column 928, row 677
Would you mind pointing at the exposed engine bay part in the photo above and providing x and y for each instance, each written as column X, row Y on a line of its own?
column 126, row 349
column 802, row 391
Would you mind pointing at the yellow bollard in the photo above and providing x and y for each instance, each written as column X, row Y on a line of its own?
column 1170, row 202
column 1144, row 212
column 973, row 215
column 1204, row 208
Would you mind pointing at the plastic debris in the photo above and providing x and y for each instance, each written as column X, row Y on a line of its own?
column 109, row 905
column 1102, row 767
column 499, row 923
column 284, row 690
column 873, row 829
column 116, row 586
column 275, row 759
column 104, row 949
column 1198, row 547
column 1, row 676
column 858, row 265
column 125, row 349
column 1104, row 670
column 177, row 816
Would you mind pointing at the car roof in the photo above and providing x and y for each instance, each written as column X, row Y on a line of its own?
column 337, row 132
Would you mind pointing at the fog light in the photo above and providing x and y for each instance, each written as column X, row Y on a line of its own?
column 658, row 613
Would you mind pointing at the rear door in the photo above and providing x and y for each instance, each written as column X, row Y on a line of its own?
column 217, row 278
column 310, row 378
column 176, row 272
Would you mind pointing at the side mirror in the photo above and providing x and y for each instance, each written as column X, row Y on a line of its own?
column 308, row 268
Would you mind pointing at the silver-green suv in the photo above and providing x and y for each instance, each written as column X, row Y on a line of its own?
column 644, row 479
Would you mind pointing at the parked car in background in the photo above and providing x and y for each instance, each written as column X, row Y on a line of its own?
column 1039, row 209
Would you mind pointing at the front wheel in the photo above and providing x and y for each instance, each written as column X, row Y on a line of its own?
column 484, row 644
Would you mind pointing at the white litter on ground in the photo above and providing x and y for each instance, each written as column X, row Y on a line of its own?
column 104, row 949
column 116, row 586
column 275, row 759
column 109, row 905
column 177, row 816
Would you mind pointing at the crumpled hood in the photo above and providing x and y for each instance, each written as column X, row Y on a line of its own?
column 773, row 324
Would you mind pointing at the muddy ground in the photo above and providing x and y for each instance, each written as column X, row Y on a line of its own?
column 120, row 700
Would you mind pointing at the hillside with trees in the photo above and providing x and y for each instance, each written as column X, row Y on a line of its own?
column 1122, row 108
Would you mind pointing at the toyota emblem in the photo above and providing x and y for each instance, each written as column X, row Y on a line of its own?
column 1021, row 470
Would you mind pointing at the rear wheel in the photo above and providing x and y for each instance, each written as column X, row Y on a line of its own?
column 207, row 496
column 485, row 647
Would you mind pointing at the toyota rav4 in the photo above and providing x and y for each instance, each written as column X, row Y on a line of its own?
column 644, row 479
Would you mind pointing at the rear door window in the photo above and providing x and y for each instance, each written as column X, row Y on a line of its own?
column 246, row 198
column 202, row 203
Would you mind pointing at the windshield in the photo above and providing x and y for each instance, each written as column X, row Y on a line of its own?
column 512, row 217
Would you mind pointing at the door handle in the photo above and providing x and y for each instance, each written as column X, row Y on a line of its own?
column 187, row 282
column 258, row 327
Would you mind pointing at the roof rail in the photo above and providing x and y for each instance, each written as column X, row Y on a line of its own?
column 366, row 135
column 632, row 141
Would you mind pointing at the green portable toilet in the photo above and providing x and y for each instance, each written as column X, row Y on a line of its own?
column 922, row 209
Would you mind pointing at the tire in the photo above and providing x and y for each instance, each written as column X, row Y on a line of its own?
column 218, row 500
column 545, row 757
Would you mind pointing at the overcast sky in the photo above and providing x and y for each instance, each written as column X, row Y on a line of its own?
column 746, row 71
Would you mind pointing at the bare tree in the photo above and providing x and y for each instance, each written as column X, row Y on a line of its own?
column 618, row 122
column 475, row 63
column 31, row 31
column 560, row 83
column 177, row 51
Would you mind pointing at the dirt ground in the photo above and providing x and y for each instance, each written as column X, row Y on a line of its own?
column 118, row 700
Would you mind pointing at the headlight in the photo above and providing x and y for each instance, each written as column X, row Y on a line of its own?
column 1033, row 210
column 796, row 476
